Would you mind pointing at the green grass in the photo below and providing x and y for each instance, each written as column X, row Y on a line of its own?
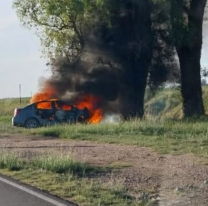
column 11, row 161
column 82, row 191
column 61, row 175
column 65, row 164
column 166, row 103
column 165, row 136
column 56, row 163
column 8, row 105
column 6, row 127
column 69, row 179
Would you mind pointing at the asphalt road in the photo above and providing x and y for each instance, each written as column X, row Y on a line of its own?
column 15, row 194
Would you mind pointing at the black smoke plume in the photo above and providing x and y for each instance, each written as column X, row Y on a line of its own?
column 95, row 73
column 114, row 64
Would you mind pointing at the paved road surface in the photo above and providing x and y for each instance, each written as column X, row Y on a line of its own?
column 14, row 194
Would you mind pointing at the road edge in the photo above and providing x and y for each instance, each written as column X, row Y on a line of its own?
column 44, row 195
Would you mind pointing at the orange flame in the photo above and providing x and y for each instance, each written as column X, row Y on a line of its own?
column 90, row 101
column 44, row 105
column 48, row 93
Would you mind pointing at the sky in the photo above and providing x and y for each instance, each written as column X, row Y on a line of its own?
column 20, row 55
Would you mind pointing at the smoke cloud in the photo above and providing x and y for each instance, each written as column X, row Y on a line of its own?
column 96, row 73
column 113, row 66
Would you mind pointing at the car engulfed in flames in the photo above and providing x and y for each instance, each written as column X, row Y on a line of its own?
column 50, row 112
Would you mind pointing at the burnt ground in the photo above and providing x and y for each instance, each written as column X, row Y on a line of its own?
column 169, row 180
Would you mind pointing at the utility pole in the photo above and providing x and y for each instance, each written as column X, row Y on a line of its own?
column 20, row 98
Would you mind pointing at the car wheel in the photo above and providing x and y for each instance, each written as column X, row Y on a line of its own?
column 32, row 123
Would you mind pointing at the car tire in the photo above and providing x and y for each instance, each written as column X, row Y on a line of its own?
column 32, row 123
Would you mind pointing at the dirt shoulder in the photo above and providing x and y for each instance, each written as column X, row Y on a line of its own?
column 170, row 180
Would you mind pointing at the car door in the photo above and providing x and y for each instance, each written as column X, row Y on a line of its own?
column 45, row 110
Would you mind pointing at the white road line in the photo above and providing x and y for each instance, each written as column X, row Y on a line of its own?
column 47, row 199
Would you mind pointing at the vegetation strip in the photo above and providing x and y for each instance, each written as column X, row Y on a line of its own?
column 71, row 180
column 159, row 132
column 163, row 134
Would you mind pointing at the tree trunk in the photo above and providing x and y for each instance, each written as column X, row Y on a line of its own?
column 134, row 93
column 191, row 81
column 189, row 53
column 138, row 54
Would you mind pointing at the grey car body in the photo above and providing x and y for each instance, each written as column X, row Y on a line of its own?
column 33, row 116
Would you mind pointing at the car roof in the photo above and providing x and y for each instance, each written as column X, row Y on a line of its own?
column 54, row 100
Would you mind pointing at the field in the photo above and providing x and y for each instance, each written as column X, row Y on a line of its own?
column 159, row 160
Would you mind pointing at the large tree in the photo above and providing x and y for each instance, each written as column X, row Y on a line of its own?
column 130, row 37
column 66, row 26
column 124, row 29
column 187, row 24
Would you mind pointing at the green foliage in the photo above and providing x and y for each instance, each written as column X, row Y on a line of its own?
column 179, row 22
column 176, row 19
column 61, row 25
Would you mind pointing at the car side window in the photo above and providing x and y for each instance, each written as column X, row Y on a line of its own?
column 58, row 105
column 62, row 106
column 44, row 105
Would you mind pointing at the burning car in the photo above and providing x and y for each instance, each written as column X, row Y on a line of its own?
column 49, row 112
